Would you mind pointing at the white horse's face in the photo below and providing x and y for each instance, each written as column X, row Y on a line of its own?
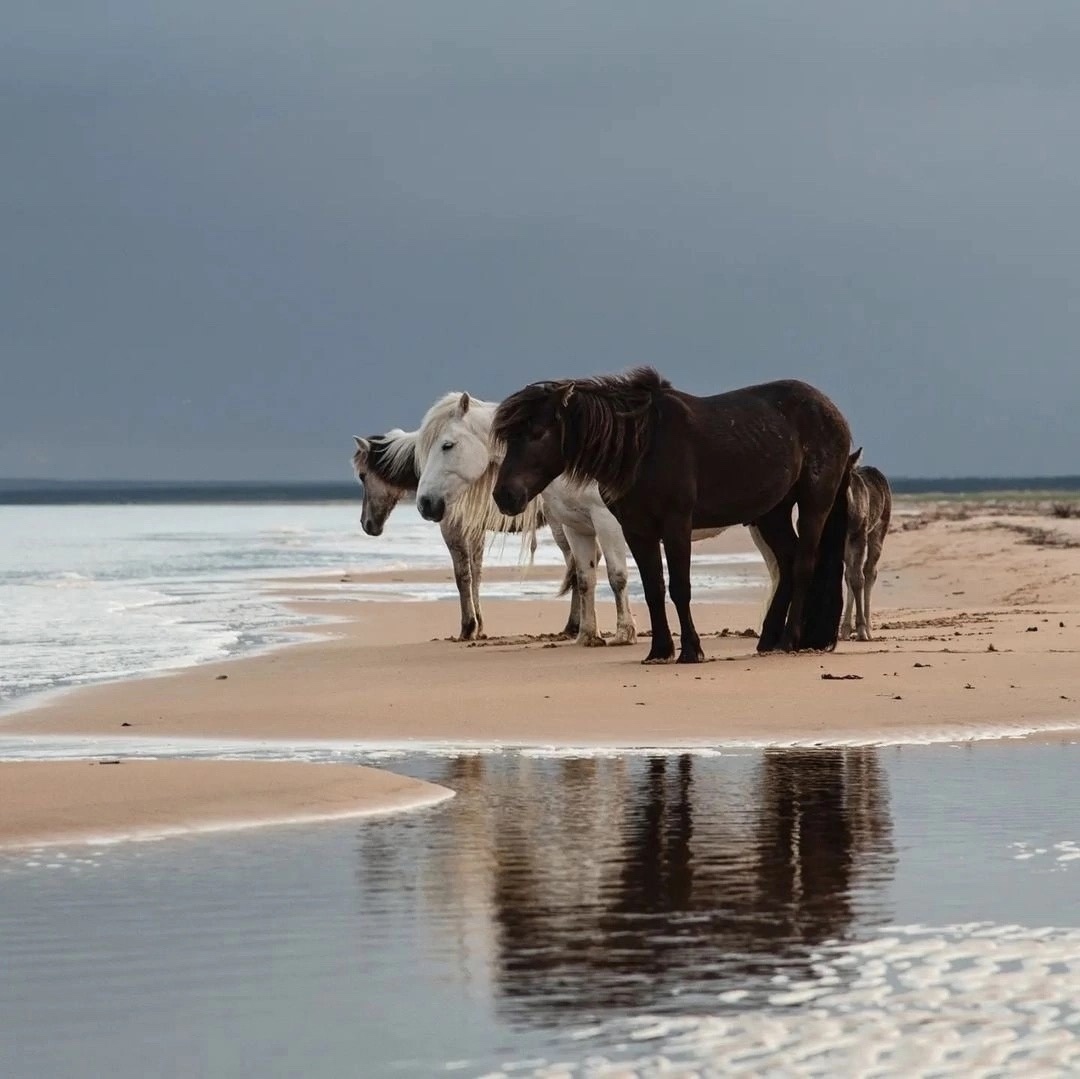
column 458, row 457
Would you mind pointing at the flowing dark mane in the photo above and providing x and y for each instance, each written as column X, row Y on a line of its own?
column 392, row 459
column 607, row 422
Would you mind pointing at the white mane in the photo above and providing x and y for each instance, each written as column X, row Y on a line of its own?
column 399, row 445
column 475, row 512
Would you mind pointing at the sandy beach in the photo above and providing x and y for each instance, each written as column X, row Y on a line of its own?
column 49, row 802
column 977, row 633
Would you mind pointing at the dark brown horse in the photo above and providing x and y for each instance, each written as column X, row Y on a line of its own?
column 668, row 463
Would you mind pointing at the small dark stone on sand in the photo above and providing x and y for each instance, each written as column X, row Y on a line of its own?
column 221, row 678
column 125, row 724
column 990, row 648
column 898, row 698
column 1032, row 629
column 841, row 677
column 922, row 664
column 968, row 685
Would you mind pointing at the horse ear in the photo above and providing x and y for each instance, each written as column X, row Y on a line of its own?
column 463, row 404
column 853, row 460
column 568, row 392
column 362, row 444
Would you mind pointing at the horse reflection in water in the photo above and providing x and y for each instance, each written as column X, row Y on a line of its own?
column 581, row 887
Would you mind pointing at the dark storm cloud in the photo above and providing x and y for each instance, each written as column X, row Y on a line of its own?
column 234, row 237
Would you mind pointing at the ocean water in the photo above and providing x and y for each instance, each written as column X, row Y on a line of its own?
column 96, row 592
column 894, row 911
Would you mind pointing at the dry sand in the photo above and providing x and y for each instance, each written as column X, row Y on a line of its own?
column 978, row 634
column 95, row 801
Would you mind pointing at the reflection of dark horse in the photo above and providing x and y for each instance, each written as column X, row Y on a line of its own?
column 668, row 463
column 693, row 902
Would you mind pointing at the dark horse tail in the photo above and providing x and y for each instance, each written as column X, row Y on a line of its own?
column 825, row 600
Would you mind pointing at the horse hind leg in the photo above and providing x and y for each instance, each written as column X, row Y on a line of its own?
column 771, row 565
column 855, row 575
column 817, row 599
column 613, row 546
column 875, row 542
column 776, row 533
column 584, row 549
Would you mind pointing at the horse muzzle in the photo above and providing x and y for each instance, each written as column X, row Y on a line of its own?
column 510, row 498
column 431, row 508
column 371, row 528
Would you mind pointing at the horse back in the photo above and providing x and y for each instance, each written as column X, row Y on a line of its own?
column 878, row 495
column 745, row 450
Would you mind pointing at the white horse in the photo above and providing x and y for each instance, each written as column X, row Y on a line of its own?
column 458, row 464
column 385, row 465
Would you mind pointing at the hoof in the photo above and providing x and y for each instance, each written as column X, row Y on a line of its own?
column 863, row 635
column 591, row 642
column 623, row 638
column 650, row 660
column 696, row 656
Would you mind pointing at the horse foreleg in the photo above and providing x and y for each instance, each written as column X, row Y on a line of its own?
column 778, row 536
column 646, row 552
column 573, row 623
column 476, row 567
column 613, row 545
column 677, row 550
column 458, row 547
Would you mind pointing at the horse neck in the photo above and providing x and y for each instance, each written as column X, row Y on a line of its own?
column 474, row 513
column 608, row 445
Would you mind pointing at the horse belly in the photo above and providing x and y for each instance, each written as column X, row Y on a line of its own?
column 572, row 506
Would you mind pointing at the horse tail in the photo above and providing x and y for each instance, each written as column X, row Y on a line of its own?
column 569, row 577
column 825, row 599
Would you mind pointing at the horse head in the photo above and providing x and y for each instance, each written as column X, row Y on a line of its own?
column 529, row 425
column 383, row 469
column 453, row 451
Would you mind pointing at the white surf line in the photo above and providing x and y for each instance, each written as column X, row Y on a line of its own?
column 67, row 747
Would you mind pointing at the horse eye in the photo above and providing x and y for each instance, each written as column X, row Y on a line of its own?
column 448, row 446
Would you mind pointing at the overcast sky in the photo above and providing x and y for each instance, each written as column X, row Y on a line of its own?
column 236, row 233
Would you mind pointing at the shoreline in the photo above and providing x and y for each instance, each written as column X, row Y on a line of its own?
column 978, row 635
column 373, row 672
column 79, row 802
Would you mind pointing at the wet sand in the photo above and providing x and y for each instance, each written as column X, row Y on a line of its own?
column 96, row 801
